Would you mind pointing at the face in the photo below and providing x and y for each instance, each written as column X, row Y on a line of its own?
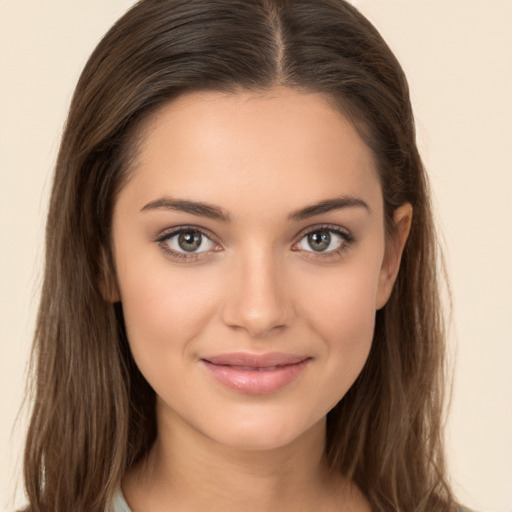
column 251, row 257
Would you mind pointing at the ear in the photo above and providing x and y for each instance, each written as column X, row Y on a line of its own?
column 393, row 254
column 108, row 281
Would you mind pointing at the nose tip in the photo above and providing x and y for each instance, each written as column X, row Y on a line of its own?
column 258, row 322
column 258, row 301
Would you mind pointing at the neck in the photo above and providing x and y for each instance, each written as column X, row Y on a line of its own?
column 188, row 471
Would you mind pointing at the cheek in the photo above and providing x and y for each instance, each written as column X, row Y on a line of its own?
column 346, row 321
column 343, row 300
column 347, row 332
column 164, row 310
column 340, row 310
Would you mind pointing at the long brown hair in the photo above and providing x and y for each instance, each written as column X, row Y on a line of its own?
column 94, row 414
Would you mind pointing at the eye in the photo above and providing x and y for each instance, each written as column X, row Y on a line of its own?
column 324, row 241
column 186, row 242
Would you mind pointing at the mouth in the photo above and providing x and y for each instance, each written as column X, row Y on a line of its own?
column 256, row 374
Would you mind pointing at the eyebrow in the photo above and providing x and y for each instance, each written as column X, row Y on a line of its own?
column 328, row 205
column 193, row 207
column 214, row 212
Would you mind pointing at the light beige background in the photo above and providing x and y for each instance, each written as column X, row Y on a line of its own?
column 458, row 57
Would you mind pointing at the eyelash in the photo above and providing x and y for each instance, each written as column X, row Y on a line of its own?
column 347, row 241
column 183, row 256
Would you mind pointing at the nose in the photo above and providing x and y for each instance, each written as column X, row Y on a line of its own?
column 257, row 297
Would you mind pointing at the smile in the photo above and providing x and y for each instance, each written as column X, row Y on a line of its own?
column 256, row 374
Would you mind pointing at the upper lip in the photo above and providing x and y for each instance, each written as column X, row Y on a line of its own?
column 255, row 360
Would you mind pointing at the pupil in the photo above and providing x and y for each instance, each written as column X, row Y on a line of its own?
column 320, row 240
column 189, row 240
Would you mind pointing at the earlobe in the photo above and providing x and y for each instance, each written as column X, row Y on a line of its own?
column 107, row 280
column 394, row 249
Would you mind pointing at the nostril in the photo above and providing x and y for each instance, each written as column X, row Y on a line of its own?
column 257, row 319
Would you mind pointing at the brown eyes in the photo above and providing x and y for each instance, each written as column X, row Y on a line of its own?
column 191, row 243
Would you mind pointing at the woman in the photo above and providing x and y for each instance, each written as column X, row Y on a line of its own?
column 240, row 304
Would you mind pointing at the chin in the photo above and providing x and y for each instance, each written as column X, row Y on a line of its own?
column 265, row 433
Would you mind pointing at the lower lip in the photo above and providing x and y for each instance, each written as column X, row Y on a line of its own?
column 256, row 381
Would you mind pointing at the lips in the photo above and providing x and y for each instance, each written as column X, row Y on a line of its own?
column 256, row 374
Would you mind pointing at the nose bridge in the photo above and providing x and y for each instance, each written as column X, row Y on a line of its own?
column 257, row 298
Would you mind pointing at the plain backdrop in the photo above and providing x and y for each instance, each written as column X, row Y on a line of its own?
column 457, row 55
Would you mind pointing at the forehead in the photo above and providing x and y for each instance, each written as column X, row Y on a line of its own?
column 280, row 147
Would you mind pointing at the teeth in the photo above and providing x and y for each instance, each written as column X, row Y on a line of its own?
column 254, row 368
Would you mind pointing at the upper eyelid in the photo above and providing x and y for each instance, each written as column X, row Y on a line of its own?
column 327, row 227
column 169, row 232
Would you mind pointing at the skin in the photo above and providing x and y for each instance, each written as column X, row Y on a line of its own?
column 257, row 287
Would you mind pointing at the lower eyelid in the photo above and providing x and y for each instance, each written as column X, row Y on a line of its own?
column 183, row 255
column 334, row 254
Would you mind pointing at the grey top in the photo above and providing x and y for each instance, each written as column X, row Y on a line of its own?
column 120, row 505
